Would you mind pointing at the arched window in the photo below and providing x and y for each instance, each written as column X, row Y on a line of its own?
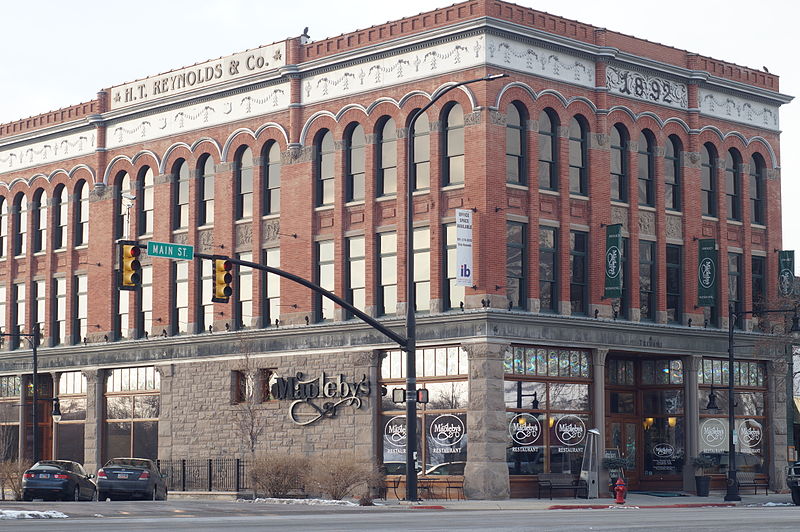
column 356, row 141
column 82, row 214
column 272, row 179
column 205, row 191
column 39, row 221
column 422, row 153
column 757, row 190
column 646, row 161
column 453, row 164
column 708, row 179
column 619, row 163
column 20, row 215
column 243, row 178
column 387, row 158
column 548, row 149
column 146, row 203
column 577, row 155
column 516, row 165
column 3, row 228
column 733, row 184
column 60, row 217
column 673, row 153
column 180, row 194
column 123, row 201
column 325, row 167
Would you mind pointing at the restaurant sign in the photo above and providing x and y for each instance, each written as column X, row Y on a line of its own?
column 319, row 397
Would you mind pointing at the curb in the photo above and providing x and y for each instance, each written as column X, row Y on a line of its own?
column 651, row 506
column 431, row 507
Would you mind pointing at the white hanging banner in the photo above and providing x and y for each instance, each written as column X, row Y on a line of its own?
column 464, row 247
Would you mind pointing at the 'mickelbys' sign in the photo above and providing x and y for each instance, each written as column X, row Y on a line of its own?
column 306, row 394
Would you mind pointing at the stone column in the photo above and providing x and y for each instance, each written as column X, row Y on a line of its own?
column 368, row 427
column 486, row 472
column 93, row 429
column 599, row 411
column 167, row 372
column 691, row 416
column 775, row 430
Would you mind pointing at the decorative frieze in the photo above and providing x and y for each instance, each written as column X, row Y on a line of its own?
column 199, row 116
column 647, row 223
column 655, row 89
column 539, row 61
column 674, row 227
column 394, row 69
column 270, row 230
column 244, row 235
column 727, row 107
column 48, row 151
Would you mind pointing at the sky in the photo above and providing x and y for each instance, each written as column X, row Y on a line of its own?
column 54, row 54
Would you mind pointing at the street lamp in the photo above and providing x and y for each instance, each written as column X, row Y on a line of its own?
column 33, row 340
column 411, row 303
column 732, row 493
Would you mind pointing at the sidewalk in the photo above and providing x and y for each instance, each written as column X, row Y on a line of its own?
column 634, row 500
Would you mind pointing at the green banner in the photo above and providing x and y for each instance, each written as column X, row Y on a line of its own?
column 613, row 263
column 707, row 273
column 786, row 273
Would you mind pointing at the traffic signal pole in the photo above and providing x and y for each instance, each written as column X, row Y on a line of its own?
column 375, row 324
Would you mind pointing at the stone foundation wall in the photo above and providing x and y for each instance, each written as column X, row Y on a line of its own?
column 200, row 419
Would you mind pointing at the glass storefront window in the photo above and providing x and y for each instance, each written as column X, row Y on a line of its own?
column 525, row 454
column 548, row 417
column 662, row 371
column 658, row 402
column 745, row 373
column 446, row 444
column 547, row 362
column 567, row 437
column 442, row 424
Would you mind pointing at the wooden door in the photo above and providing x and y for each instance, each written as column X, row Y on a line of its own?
column 623, row 433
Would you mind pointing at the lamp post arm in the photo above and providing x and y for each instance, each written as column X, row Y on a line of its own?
column 411, row 301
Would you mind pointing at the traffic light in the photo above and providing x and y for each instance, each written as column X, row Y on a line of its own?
column 222, row 280
column 129, row 265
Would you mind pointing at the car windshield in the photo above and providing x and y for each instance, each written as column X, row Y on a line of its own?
column 52, row 464
column 129, row 462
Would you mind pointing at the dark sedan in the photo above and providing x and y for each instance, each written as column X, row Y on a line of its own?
column 131, row 478
column 57, row 479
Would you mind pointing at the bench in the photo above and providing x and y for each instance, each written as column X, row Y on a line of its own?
column 746, row 479
column 561, row 481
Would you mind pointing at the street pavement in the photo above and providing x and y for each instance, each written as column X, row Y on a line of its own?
column 641, row 512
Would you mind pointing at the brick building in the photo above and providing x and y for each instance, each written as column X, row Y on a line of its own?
column 294, row 155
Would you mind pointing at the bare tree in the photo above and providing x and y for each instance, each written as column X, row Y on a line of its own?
column 249, row 417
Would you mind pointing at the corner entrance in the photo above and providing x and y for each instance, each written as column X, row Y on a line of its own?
column 645, row 420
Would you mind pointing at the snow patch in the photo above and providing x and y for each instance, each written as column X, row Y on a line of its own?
column 30, row 514
column 777, row 504
column 310, row 502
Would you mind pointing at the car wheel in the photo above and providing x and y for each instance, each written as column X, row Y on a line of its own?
column 94, row 495
column 102, row 496
column 76, row 494
column 26, row 497
column 796, row 496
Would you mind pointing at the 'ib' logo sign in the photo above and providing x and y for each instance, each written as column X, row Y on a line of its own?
column 464, row 271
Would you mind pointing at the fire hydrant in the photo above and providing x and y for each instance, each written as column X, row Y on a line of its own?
column 620, row 491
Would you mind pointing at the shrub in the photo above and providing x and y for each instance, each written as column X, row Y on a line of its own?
column 339, row 477
column 11, row 477
column 279, row 475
